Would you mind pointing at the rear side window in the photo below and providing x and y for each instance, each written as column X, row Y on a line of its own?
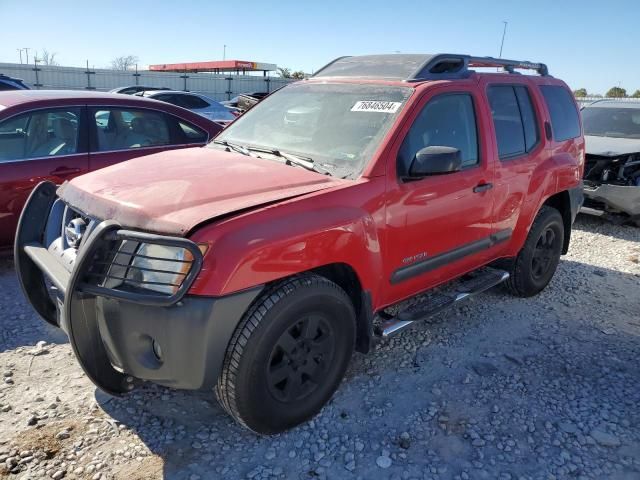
column 191, row 101
column 123, row 129
column 565, row 123
column 514, row 120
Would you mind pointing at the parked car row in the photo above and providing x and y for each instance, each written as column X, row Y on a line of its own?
column 58, row 135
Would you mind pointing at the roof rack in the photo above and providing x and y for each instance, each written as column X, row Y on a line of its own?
column 413, row 68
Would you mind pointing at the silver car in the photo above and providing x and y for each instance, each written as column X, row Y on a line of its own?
column 197, row 103
column 612, row 166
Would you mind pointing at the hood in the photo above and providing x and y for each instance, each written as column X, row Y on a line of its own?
column 611, row 147
column 173, row 191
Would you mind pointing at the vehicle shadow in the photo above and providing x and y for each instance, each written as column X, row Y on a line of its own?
column 576, row 342
column 20, row 325
column 593, row 224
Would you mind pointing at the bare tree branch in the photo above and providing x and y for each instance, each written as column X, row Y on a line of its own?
column 48, row 58
column 124, row 63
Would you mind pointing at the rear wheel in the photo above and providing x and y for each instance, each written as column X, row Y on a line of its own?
column 288, row 354
column 534, row 267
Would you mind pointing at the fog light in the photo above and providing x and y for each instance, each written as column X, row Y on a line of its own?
column 157, row 351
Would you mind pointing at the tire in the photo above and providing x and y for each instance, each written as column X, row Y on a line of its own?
column 288, row 355
column 532, row 270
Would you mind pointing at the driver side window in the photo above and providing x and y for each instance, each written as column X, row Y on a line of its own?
column 446, row 121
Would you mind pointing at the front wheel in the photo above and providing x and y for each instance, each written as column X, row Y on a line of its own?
column 534, row 267
column 288, row 354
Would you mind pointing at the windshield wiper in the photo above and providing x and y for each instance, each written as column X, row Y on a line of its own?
column 236, row 147
column 293, row 159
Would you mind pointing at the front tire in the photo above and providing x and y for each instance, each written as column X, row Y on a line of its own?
column 532, row 270
column 288, row 354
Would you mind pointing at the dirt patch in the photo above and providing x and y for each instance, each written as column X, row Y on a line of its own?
column 149, row 468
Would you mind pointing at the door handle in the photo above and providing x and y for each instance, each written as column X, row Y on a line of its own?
column 64, row 171
column 483, row 187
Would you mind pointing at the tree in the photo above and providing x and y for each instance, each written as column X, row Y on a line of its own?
column 581, row 92
column 299, row 75
column 615, row 92
column 48, row 58
column 636, row 94
column 124, row 63
column 284, row 72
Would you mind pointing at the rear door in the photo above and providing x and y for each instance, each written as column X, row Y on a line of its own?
column 44, row 144
column 519, row 147
column 122, row 133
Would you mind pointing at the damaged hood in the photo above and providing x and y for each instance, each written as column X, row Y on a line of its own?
column 172, row 192
column 610, row 146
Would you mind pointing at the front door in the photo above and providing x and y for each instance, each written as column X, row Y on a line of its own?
column 47, row 144
column 439, row 226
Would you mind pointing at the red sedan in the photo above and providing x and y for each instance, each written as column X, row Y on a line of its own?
column 57, row 135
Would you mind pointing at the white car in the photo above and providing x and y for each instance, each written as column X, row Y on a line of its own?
column 200, row 104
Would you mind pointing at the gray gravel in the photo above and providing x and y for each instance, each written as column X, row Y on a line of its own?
column 500, row 388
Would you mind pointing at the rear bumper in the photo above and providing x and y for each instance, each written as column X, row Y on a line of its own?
column 118, row 339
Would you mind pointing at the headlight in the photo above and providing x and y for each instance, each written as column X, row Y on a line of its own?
column 160, row 268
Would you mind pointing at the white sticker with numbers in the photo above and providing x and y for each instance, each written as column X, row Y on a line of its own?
column 376, row 106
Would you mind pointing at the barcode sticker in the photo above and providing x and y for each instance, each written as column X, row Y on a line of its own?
column 376, row 106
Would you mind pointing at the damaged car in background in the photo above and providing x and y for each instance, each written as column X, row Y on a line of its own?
column 612, row 167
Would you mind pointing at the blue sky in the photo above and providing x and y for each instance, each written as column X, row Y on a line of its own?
column 587, row 43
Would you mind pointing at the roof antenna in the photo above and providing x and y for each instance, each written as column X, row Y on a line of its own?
column 504, row 33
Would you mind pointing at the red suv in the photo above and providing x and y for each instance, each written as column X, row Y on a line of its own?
column 57, row 135
column 255, row 267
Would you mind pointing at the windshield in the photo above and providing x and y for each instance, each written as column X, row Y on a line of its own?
column 612, row 122
column 336, row 126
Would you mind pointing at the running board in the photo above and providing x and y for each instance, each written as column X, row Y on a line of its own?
column 470, row 285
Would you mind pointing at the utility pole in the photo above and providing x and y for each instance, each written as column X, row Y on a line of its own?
column 26, row 49
column 224, row 52
column 504, row 32
column 20, row 52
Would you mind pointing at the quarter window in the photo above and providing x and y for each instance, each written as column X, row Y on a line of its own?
column 447, row 121
column 565, row 123
column 514, row 120
column 192, row 133
column 43, row 133
column 123, row 129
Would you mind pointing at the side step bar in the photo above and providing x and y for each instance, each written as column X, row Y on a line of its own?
column 472, row 284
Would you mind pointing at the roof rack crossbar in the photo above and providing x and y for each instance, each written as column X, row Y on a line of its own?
column 446, row 65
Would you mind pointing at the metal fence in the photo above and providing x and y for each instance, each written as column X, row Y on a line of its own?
column 217, row 86
column 583, row 101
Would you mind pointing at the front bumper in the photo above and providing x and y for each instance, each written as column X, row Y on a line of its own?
column 122, row 337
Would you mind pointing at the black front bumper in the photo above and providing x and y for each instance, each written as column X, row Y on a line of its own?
column 119, row 338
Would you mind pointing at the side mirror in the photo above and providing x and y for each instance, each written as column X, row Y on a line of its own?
column 435, row 160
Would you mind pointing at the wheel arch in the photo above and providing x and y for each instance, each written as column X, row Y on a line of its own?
column 345, row 276
column 561, row 201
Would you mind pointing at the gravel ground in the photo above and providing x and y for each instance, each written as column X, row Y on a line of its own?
column 500, row 388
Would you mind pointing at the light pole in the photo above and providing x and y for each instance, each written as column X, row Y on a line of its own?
column 504, row 32
column 20, row 52
column 26, row 49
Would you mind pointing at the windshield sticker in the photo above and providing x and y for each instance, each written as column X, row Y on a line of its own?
column 376, row 106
